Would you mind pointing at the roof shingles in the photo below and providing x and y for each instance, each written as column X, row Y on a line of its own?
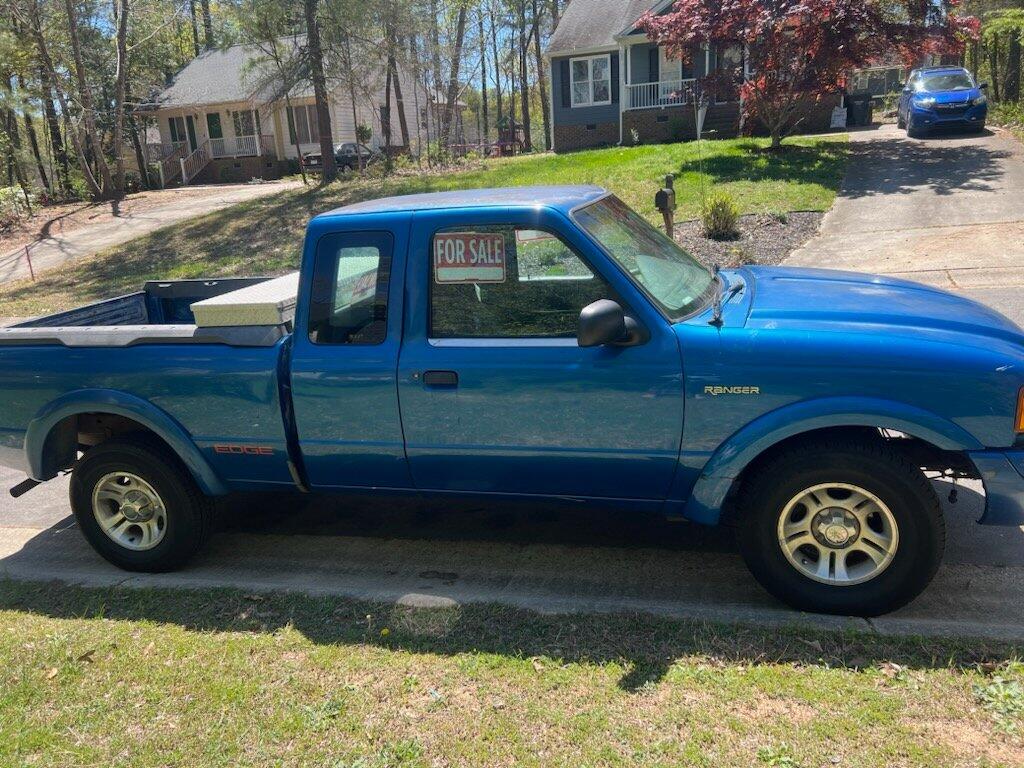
column 593, row 24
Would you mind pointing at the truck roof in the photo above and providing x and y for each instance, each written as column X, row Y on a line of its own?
column 564, row 198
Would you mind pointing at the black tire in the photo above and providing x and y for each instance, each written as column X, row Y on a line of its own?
column 978, row 128
column 188, row 512
column 871, row 465
column 900, row 122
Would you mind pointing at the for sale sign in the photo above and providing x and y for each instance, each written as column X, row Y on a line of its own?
column 469, row 257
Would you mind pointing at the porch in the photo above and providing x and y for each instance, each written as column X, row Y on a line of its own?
column 651, row 79
column 191, row 138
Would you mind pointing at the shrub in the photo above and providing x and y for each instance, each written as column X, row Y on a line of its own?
column 720, row 217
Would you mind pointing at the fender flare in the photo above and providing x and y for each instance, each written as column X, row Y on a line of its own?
column 736, row 453
column 119, row 404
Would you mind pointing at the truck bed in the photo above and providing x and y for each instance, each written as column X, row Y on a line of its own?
column 158, row 314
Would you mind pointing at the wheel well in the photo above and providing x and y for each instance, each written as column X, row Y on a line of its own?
column 83, row 431
column 928, row 456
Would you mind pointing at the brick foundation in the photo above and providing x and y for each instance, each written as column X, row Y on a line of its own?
column 662, row 126
column 571, row 137
column 240, row 169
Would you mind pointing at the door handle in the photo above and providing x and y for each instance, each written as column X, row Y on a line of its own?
column 441, row 378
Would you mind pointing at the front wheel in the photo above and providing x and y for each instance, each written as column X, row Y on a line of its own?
column 848, row 528
column 900, row 122
column 138, row 506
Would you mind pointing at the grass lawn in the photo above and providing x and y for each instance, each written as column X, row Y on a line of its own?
column 216, row 677
column 265, row 236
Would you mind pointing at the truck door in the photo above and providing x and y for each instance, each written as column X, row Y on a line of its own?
column 347, row 336
column 496, row 394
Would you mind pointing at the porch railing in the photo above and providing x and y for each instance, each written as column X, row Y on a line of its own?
column 664, row 93
column 192, row 164
column 170, row 165
column 242, row 146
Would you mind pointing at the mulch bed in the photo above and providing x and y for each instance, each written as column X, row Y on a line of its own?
column 763, row 239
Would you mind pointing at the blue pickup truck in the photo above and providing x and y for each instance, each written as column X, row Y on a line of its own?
column 535, row 343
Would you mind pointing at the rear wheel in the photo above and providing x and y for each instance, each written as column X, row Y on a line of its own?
column 846, row 528
column 138, row 506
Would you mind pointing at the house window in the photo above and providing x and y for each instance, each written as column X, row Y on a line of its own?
column 246, row 122
column 177, row 125
column 591, row 80
column 302, row 124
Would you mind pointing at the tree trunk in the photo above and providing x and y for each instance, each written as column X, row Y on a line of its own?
column 53, row 126
column 994, row 66
column 195, row 26
column 483, row 76
column 106, row 183
column 385, row 120
column 352, row 96
column 76, row 139
column 120, row 89
column 524, row 81
column 435, row 47
column 497, row 71
column 323, row 112
column 33, row 141
column 451, row 97
column 541, row 79
column 1012, row 90
column 289, row 123
column 403, row 124
column 207, row 25
column 555, row 13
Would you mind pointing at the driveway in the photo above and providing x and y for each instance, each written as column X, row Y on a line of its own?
column 947, row 210
column 181, row 204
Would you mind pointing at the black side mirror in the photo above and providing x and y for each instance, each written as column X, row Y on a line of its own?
column 604, row 322
column 983, row 87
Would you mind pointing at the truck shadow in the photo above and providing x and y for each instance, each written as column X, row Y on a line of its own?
column 434, row 563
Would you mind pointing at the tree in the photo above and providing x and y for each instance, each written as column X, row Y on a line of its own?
column 799, row 49
column 316, row 73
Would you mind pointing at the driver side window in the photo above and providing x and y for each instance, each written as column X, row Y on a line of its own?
column 508, row 282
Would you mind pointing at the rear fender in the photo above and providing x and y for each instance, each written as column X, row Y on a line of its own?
column 117, row 403
column 736, row 453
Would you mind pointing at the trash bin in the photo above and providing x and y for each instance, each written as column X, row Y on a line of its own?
column 858, row 106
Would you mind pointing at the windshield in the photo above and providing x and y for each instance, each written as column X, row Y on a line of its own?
column 675, row 280
column 945, row 81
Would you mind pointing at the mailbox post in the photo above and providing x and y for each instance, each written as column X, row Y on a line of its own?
column 665, row 201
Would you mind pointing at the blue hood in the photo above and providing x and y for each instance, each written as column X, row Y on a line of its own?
column 826, row 300
column 951, row 97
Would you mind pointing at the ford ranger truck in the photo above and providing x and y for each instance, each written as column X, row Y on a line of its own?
column 534, row 343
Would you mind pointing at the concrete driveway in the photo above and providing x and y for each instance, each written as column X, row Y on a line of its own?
column 182, row 204
column 947, row 210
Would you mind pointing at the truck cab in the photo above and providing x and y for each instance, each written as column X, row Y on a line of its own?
column 538, row 343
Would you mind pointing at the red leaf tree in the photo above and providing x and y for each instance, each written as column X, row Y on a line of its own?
column 797, row 50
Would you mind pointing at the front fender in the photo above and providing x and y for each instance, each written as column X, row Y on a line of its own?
column 730, row 459
column 120, row 404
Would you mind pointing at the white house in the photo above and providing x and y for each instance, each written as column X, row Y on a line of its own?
column 223, row 118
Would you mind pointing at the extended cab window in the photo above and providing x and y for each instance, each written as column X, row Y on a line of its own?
column 508, row 282
column 350, row 288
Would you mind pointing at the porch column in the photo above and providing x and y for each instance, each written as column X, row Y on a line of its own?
column 624, row 77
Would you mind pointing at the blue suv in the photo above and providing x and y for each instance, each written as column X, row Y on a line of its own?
column 936, row 96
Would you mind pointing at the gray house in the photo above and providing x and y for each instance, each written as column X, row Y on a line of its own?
column 611, row 85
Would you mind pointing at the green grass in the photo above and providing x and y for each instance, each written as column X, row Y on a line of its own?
column 265, row 236
column 216, row 677
column 1010, row 115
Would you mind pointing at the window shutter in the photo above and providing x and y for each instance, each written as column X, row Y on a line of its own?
column 563, row 67
column 652, row 58
column 614, row 73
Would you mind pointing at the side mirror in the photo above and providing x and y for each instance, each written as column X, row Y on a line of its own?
column 983, row 87
column 604, row 322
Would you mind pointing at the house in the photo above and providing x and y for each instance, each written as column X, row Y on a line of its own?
column 611, row 85
column 224, row 117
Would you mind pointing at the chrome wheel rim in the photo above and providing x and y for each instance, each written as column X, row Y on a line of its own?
column 129, row 511
column 838, row 534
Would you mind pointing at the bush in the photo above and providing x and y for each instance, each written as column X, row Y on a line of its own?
column 720, row 217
